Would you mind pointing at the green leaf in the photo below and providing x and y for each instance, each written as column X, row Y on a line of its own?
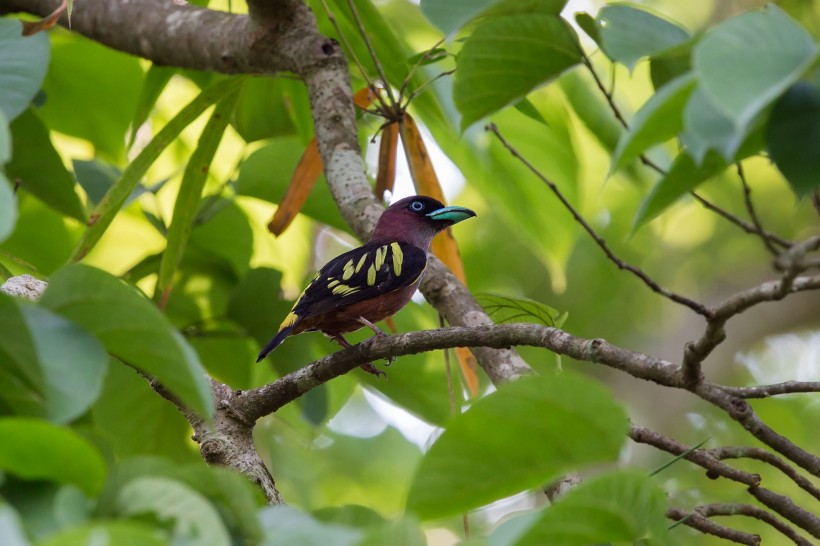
column 72, row 363
column 629, row 34
column 538, row 426
column 124, row 320
column 126, row 399
column 660, row 119
column 509, row 309
column 707, row 128
column 589, row 26
column 402, row 532
column 286, row 526
column 528, row 109
column 748, row 61
column 39, row 168
column 670, row 64
column 227, row 235
column 190, row 195
column 196, row 521
column 35, row 449
column 623, row 507
column 592, row 109
column 109, row 533
column 793, row 137
column 683, row 176
column 262, row 110
column 91, row 92
column 11, row 531
column 507, row 57
column 117, row 195
column 23, row 65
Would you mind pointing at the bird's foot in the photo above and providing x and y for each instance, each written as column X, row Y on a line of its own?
column 373, row 370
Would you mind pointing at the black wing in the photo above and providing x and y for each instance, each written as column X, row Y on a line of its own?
column 361, row 274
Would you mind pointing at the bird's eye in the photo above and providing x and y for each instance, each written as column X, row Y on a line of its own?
column 416, row 206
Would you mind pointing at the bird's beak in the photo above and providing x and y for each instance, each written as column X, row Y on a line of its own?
column 451, row 214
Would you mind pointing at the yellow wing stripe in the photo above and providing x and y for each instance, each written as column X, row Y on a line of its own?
column 289, row 320
column 398, row 258
column 361, row 262
column 371, row 275
column 348, row 270
column 381, row 254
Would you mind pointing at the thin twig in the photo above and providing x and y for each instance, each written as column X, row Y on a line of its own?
column 373, row 55
column 423, row 87
column 760, row 454
column 739, row 222
column 700, row 523
column 749, row 510
column 775, row 389
column 695, row 306
column 415, row 68
column 750, row 208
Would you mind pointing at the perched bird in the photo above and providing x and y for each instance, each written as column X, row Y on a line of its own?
column 370, row 283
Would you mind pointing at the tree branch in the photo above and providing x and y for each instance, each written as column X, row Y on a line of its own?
column 697, row 521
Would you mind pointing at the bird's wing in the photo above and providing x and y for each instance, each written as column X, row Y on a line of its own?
column 360, row 274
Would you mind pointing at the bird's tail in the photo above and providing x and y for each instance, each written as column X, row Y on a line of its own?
column 291, row 321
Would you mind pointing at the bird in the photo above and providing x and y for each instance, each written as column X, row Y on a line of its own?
column 374, row 281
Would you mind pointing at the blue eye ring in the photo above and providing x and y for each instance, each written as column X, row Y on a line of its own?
column 416, row 206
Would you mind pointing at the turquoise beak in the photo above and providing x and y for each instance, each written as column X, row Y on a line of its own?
column 451, row 214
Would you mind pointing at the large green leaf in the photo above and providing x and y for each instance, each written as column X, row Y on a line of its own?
column 39, row 168
column 35, row 449
column 286, row 526
column 23, row 65
column 682, row 177
column 518, row 438
column 508, row 56
column 747, row 62
column 71, row 361
column 196, row 521
column 657, row 121
column 623, row 507
column 707, row 128
column 263, row 109
column 91, row 92
column 8, row 203
column 629, row 34
column 22, row 387
column 190, row 195
column 132, row 329
column 793, row 137
column 450, row 15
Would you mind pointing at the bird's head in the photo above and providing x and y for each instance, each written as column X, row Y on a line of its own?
column 416, row 220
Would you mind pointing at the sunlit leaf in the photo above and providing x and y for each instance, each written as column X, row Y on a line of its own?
column 386, row 175
column 660, row 119
column 187, row 202
column 35, row 449
column 793, row 137
column 117, row 195
column 746, row 62
column 123, row 319
column 109, row 533
column 23, row 66
column 301, row 183
column 629, row 34
column 542, row 426
column 506, row 57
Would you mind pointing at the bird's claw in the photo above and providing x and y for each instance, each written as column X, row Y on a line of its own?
column 390, row 360
column 373, row 370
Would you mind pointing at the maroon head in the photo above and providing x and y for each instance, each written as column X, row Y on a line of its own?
column 416, row 220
